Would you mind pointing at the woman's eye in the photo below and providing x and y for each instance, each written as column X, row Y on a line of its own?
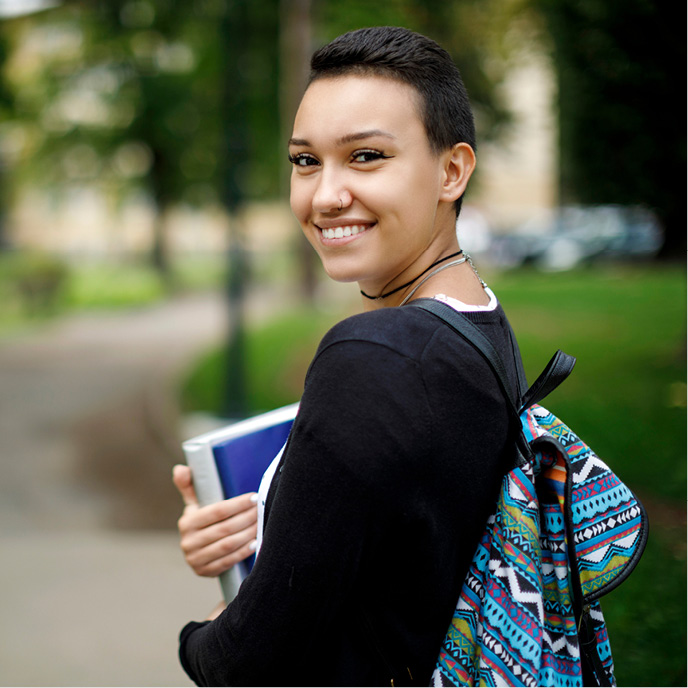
column 368, row 156
column 302, row 160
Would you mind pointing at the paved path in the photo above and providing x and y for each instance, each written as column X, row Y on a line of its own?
column 57, row 382
column 86, row 608
column 94, row 590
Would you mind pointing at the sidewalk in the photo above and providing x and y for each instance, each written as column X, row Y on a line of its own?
column 70, row 389
column 94, row 588
column 96, row 609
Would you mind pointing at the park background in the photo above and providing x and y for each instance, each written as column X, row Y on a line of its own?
column 153, row 282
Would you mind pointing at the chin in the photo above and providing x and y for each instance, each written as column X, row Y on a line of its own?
column 338, row 271
column 341, row 276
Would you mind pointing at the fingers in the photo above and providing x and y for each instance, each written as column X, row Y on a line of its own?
column 196, row 518
column 200, row 527
column 216, row 537
column 181, row 477
column 222, row 554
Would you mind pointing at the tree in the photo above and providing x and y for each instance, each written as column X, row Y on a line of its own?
column 470, row 30
column 621, row 77
column 131, row 97
column 168, row 51
column 6, row 105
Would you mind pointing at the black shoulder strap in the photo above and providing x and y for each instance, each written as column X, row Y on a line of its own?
column 518, row 362
column 473, row 335
column 556, row 371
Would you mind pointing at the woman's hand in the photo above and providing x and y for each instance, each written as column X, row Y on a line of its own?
column 217, row 536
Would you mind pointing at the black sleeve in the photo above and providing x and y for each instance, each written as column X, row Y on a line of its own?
column 364, row 415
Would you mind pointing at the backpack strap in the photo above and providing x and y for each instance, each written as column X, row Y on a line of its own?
column 474, row 336
column 556, row 371
column 518, row 363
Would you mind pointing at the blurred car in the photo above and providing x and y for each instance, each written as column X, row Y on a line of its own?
column 571, row 235
column 473, row 231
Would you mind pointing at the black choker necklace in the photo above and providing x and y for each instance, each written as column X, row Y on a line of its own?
column 408, row 284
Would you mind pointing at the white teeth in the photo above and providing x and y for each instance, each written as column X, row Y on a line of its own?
column 341, row 232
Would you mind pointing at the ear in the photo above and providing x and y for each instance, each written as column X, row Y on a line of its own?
column 458, row 164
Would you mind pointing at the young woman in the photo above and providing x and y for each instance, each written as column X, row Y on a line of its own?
column 402, row 435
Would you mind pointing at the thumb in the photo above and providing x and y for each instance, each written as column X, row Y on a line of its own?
column 181, row 477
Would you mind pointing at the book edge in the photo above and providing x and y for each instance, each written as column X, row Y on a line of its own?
column 243, row 427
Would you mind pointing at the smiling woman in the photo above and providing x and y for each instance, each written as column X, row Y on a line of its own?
column 373, row 168
column 403, row 434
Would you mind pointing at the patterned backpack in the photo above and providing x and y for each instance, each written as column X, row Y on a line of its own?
column 565, row 531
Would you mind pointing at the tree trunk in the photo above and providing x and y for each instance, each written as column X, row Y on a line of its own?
column 295, row 49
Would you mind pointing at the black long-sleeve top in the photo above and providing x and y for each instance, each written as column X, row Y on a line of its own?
column 391, row 470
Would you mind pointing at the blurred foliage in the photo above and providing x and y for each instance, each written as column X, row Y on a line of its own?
column 131, row 94
column 277, row 356
column 35, row 279
column 37, row 286
column 626, row 397
column 116, row 93
column 474, row 32
column 106, row 286
column 622, row 128
column 148, row 94
column 128, row 94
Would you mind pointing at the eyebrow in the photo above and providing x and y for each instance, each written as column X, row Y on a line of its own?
column 348, row 138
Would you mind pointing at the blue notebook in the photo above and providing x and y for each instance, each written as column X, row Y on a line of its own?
column 231, row 461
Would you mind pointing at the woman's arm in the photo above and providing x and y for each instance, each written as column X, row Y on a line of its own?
column 217, row 536
column 345, row 467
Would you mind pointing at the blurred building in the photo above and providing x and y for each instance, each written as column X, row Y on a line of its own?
column 518, row 173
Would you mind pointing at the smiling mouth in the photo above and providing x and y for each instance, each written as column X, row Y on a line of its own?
column 342, row 231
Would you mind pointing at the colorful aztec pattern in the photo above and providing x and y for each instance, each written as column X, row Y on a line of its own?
column 514, row 623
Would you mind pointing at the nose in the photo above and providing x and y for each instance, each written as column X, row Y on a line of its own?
column 331, row 195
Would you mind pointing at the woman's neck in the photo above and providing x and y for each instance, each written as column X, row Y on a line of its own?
column 453, row 277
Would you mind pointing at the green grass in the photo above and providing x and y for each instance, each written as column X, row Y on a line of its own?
column 627, row 393
column 112, row 286
column 277, row 357
column 626, row 397
column 35, row 287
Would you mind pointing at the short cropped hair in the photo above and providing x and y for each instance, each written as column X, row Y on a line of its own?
column 411, row 58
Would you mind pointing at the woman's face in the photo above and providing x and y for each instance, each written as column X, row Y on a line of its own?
column 365, row 186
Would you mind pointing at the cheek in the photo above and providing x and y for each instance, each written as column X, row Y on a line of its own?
column 400, row 195
column 298, row 199
column 418, row 193
column 379, row 194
